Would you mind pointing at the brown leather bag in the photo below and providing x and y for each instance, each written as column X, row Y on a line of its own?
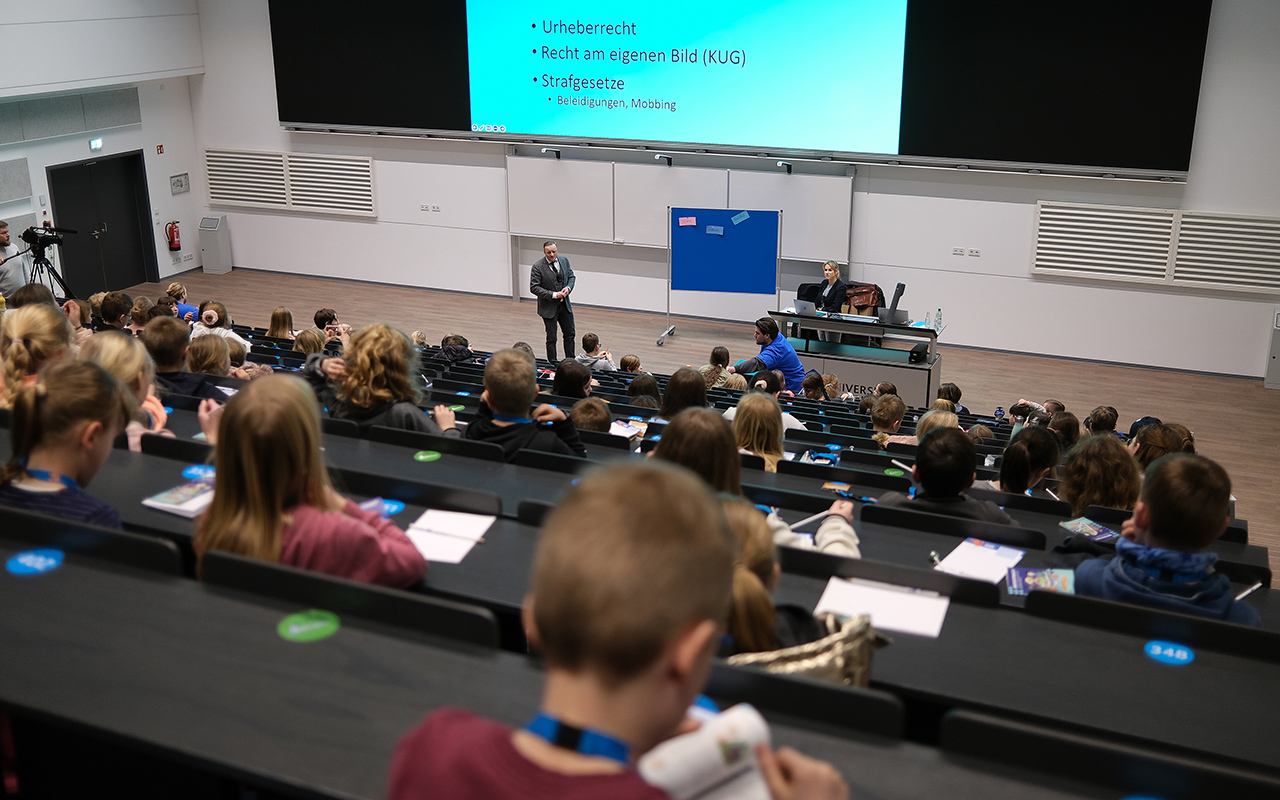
column 863, row 295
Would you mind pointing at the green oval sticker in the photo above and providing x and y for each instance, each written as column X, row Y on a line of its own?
column 457, row 408
column 894, row 471
column 426, row 455
column 308, row 626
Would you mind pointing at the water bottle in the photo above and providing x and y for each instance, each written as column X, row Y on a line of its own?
column 928, row 320
column 937, row 321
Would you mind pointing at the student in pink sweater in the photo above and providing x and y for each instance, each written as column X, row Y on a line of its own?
column 272, row 499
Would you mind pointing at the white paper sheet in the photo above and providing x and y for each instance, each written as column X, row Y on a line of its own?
column 440, row 546
column 892, row 608
column 983, row 561
column 454, row 523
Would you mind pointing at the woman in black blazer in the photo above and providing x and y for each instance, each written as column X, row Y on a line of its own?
column 831, row 297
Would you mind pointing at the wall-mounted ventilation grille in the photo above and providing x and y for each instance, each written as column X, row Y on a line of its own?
column 1228, row 252
column 1146, row 245
column 292, row 181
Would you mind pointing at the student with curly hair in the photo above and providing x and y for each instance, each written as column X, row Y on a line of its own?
column 1100, row 471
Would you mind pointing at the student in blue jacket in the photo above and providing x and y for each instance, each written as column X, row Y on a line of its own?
column 1159, row 560
column 775, row 353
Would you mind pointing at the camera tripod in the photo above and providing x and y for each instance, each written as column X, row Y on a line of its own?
column 42, row 272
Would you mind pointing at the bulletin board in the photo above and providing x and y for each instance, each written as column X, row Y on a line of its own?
column 724, row 250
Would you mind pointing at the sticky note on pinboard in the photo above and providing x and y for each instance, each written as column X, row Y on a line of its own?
column 688, row 222
column 715, row 230
column 740, row 217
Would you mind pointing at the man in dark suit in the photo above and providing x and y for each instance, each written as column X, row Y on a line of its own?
column 551, row 281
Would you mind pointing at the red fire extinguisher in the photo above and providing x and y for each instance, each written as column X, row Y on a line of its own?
column 171, row 230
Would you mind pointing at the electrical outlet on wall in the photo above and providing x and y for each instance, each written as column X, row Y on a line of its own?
column 957, row 251
column 188, row 256
column 975, row 252
column 436, row 209
column 424, row 207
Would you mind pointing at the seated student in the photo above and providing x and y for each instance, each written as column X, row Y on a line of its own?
column 572, row 380
column 214, row 321
column 1054, row 407
column 644, row 385
column 165, row 306
column 30, row 294
column 1099, row 471
column 186, row 312
column 593, row 356
column 769, row 383
column 1067, row 428
column 1152, row 442
column 715, row 372
column 281, row 326
column 525, row 347
column 95, row 309
column 700, row 440
column 115, row 312
column 1159, row 561
column 377, row 383
column 736, row 382
column 831, row 386
column 503, row 416
column 31, row 337
column 886, row 418
column 814, row 387
column 61, row 433
column 127, row 359
column 944, row 468
column 756, row 624
column 140, row 314
column 328, row 326
column 309, row 341
column 1029, row 458
column 630, row 364
column 212, row 356
column 627, row 610
column 981, row 434
column 757, row 427
column 949, row 391
column 591, row 414
column 685, row 389
column 272, row 499
column 885, row 388
column 1101, row 420
column 168, row 340
column 456, row 349
column 868, row 402
column 835, row 534
column 776, row 352
column 77, row 313
column 644, row 401
column 943, row 405
column 241, row 367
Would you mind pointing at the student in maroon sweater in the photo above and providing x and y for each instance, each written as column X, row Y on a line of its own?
column 272, row 499
column 628, row 609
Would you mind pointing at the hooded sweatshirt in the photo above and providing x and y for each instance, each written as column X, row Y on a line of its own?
column 596, row 363
column 1166, row 580
column 558, row 437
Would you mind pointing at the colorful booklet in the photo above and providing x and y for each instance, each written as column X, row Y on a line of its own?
column 1022, row 581
column 1083, row 526
column 187, row 500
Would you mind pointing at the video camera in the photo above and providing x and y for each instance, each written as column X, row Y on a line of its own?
column 43, row 237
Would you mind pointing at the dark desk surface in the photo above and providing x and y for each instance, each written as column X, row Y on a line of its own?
column 200, row 674
column 1006, row 660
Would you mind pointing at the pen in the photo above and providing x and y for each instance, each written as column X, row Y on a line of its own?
column 898, row 463
column 1249, row 591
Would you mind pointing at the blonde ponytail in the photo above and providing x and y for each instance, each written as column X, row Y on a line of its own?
column 29, row 337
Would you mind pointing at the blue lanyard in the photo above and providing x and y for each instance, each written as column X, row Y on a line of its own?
column 587, row 742
column 46, row 475
column 509, row 418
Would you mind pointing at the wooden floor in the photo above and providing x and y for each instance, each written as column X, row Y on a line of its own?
column 1234, row 420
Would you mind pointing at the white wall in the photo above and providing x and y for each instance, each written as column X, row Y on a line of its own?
column 166, row 120
column 905, row 221
column 63, row 45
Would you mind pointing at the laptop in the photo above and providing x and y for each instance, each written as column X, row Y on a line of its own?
column 806, row 309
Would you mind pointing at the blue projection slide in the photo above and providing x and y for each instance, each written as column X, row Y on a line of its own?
column 702, row 71
column 717, row 254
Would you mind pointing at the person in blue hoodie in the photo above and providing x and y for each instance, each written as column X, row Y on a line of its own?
column 1159, row 561
column 775, row 353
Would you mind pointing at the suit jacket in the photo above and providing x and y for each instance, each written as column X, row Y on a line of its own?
column 543, row 283
column 834, row 299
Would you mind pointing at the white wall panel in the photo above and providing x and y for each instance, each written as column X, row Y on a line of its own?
column 816, row 209
column 643, row 192
column 411, row 255
column 610, row 290
column 552, row 197
column 468, row 197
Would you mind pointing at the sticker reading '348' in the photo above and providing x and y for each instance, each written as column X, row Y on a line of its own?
column 1169, row 652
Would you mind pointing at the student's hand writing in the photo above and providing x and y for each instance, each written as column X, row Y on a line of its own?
column 843, row 508
column 210, row 412
column 335, row 369
column 445, row 417
column 155, row 408
column 794, row 776
column 548, row 413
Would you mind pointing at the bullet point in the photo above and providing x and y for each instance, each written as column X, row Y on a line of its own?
column 535, row 80
column 534, row 25
column 535, row 51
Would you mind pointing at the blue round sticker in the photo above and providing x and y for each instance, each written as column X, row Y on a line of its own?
column 392, row 507
column 657, row 438
column 34, row 562
column 636, row 417
column 463, row 394
column 198, row 472
column 1169, row 652
column 168, row 410
column 833, row 447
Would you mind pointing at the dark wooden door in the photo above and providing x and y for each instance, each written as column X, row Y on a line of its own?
column 106, row 201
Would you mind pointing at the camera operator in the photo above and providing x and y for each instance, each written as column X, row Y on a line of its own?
column 15, row 268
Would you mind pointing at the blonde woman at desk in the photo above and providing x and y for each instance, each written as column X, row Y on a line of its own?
column 831, row 298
